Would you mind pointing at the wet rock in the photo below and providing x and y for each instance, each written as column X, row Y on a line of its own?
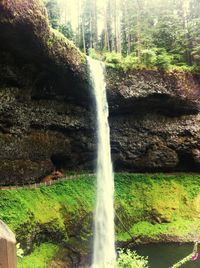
column 196, row 156
column 140, row 91
column 154, row 120
column 152, row 142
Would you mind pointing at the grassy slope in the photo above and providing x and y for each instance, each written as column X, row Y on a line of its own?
column 44, row 204
column 150, row 206
column 40, row 258
column 173, row 201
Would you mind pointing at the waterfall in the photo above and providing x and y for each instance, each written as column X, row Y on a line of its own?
column 104, row 235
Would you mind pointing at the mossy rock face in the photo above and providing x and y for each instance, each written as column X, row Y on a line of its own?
column 154, row 120
column 45, row 119
column 139, row 91
column 37, row 54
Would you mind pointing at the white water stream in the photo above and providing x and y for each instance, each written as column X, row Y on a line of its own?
column 104, row 234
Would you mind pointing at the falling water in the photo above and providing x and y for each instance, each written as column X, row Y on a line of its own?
column 104, row 237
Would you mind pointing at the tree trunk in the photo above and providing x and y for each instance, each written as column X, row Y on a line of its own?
column 83, row 36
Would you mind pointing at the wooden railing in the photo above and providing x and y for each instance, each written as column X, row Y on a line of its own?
column 8, row 255
column 42, row 184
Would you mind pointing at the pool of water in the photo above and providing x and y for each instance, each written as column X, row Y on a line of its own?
column 165, row 255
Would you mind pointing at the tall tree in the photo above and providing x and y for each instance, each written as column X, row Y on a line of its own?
column 107, row 35
column 66, row 30
column 89, row 24
column 53, row 12
column 134, row 26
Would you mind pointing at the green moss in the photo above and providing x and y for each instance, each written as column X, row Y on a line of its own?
column 16, row 206
column 155, row 205
column 56, row 36
column 149, row 206
column 180, row 228
column 57, row 41
column 40, row 257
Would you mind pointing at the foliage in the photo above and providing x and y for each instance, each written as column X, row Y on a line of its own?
column 130, row 259
column 53, row 12
column 140, row 203
column 148, row 57
column 66, row 30
column 88, row 28
column 163, row 59
column 168, row 33
column 117, row 61
column 113, row 59
column 40, row 257
column 150, row 206
column 94, row 54
column 18, row 206
column 137, row 27
column 156, row 59
column 20, row 252
column 130, row 62
column 196, row 54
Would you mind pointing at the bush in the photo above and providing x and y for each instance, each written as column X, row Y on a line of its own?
column 94, row 54
column 130, row 259
column 148, row 57
column 130, row 62
column 196, row 55
column 154, row 58
column 113, row 59
column 163, row 59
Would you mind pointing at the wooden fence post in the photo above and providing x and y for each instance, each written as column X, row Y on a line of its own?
column 8, row 256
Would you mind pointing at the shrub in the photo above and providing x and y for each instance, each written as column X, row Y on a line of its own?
column 130, row 62
column 130, row 259
column 113, row 59
column 196, row 55
column 148, row 57
column 163, row 59
column 94, row 54
column 20, row 252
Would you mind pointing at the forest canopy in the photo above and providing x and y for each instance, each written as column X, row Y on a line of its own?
column 136, row 32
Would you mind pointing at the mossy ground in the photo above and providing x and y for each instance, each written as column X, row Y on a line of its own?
column 40, row 258
column 153, row 207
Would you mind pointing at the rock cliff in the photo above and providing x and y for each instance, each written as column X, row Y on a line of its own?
column 47, row 118
column 155, row 120
column 44, row 111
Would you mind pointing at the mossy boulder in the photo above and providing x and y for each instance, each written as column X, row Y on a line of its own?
column 35, row 54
